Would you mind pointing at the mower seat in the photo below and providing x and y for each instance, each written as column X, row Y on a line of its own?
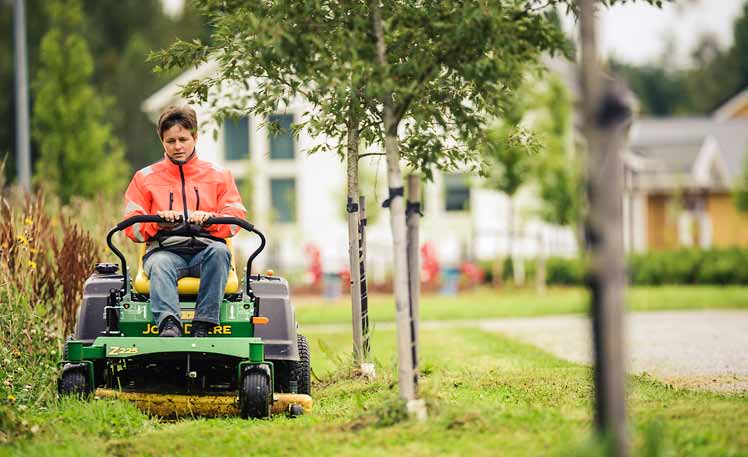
column 187, row 285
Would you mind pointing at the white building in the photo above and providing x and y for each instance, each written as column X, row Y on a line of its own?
column 298, row 199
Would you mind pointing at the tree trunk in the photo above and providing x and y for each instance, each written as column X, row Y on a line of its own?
column 607, row 114
column 396, row 203
column 353, row 233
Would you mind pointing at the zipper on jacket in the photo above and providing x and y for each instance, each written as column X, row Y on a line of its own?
column 171, row 200
column 184, row 194
column 197, row 195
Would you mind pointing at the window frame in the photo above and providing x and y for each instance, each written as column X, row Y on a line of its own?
column 226, row 143
column 271, row 138
column 447, row 186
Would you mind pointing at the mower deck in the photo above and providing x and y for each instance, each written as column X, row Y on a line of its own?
column 180, row 405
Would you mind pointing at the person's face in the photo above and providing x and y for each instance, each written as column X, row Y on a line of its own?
column 178, row 143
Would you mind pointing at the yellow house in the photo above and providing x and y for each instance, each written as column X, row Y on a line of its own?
column 678, row 176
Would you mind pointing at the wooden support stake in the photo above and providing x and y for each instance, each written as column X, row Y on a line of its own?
column 416, row 407
column 366, row 344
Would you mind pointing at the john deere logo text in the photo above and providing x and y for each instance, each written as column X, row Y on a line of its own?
column 217, row 330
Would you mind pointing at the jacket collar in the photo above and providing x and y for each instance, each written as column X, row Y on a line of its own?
column 173, row 167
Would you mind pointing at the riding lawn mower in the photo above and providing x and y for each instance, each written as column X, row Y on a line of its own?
column 253, row 363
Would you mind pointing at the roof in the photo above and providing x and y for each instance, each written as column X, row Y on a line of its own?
column 169, row 94
column 732, row 108
column 678, row 142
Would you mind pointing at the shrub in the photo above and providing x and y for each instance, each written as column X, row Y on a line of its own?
column 565, row 271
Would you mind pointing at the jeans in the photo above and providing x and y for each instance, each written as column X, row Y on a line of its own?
column 164, row 268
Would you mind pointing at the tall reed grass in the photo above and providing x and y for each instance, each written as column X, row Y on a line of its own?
column 46, row 253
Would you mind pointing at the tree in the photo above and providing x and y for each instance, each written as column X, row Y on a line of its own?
column 661, row 91
column 509, row 149
column 424, row 88
column 120, row 35
column 556, row 167
column 79, row 156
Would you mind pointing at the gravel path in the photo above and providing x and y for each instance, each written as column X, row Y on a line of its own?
column 693, row 349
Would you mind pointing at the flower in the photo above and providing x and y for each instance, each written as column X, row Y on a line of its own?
column 22, row 239
column 28, row 221
column 12, row 398
column 31, row 264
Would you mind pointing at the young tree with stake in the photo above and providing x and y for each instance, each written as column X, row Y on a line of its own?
column 422, row 79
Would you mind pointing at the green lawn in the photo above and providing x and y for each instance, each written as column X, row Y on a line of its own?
column 487, row 395
column 492, row 303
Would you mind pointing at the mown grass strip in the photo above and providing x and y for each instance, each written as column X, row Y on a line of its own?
column 491, row 303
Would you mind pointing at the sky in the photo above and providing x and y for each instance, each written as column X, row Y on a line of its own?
column 639, row 33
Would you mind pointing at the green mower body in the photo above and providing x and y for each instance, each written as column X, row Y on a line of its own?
column 116, row 350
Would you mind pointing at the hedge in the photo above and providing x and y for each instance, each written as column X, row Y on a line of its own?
column 683, row 266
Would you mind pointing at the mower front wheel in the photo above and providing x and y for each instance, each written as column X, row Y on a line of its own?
column 255, row 395
column 73, row 382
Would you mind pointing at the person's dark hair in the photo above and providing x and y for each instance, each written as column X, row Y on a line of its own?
column 173, row 115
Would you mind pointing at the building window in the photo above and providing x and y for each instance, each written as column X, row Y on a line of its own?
column 236, row 138
column 283, row 199
column 281, row 143
column 456, row 193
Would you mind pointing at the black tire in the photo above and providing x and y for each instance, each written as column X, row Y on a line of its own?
column 303, row 368
column 300, row 371
column 73, row 382
column 255, row 395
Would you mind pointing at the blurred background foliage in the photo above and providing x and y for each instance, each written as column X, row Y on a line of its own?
column 119, row 35
column 713, row 75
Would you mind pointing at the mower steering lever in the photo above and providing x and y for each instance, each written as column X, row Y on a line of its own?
column 219, row 220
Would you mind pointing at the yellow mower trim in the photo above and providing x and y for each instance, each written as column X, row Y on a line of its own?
column 180, row 405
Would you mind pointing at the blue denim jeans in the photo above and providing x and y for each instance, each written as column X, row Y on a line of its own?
column 164, row 268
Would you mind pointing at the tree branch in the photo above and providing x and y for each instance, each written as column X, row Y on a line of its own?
column 368, row 154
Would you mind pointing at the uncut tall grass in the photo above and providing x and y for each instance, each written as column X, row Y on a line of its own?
column 47, row 250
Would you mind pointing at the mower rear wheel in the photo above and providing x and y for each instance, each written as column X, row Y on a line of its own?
column 73, row 382
column 303, row 368
column 255, row 395
column 299, row 372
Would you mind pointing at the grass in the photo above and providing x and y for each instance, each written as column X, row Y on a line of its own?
column 490, row 303
column 487, row 395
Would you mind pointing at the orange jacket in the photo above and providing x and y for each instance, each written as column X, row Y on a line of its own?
column 194, row 185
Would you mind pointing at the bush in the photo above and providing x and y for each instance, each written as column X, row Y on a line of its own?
column 565, row 271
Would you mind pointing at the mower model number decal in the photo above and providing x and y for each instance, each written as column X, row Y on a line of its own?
column 116, row 350
column 217, row 330
column 188, row 314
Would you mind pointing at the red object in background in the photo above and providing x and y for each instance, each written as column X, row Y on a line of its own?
column 429, row 263
column 473, row 272
column 345, row 277
column 315, row 263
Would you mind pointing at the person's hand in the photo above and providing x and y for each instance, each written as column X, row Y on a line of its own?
column 199, row 217
column 171, row 217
